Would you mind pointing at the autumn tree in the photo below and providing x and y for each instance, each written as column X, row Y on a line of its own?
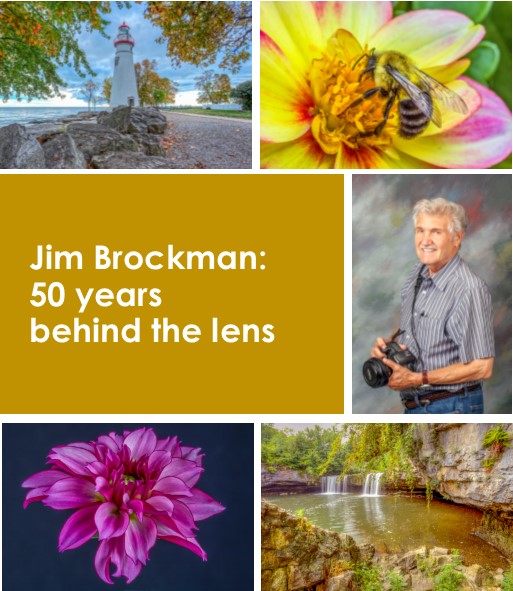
column 200, row 33
column 38, row 37
column 107, row 88
column 152, row 89
column 214, row 88
column 90, row 93
column 243, row 94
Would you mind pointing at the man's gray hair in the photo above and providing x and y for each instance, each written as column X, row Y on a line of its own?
column 441, row 206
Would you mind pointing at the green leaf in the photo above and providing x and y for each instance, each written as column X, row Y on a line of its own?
column 477, row 11
column 485, row 61
column 498, row 31
column 506, row 163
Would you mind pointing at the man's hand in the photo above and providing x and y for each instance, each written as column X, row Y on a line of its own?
column 377, row 349
column 402, row 378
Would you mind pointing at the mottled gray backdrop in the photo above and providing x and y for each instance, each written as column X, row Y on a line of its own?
column 384, row 254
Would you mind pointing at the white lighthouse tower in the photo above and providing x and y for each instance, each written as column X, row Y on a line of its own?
column 124, row 85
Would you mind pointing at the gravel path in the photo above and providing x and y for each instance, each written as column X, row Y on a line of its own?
column 197, row 141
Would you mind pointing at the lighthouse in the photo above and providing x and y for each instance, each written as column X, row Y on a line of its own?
column 124, row 85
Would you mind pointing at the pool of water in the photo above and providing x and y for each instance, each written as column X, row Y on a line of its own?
column 397, row 523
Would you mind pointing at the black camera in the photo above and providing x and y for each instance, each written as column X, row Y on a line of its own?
column 376, row 373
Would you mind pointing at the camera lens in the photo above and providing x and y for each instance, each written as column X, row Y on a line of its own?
column 376, row 373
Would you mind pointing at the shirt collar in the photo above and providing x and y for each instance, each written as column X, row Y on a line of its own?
column 442, row 277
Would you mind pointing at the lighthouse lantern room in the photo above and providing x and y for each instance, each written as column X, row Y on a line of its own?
column 124, row 85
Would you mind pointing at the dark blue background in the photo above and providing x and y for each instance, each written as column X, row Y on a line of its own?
column 31, row 561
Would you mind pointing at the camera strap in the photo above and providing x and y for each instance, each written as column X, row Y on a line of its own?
column 416, row 290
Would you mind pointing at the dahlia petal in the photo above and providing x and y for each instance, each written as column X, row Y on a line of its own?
column 34, row 495
column 78, row 529
column 74, row 458
column 183, row 519
column 103, row 487
column 285, row 97
column 186, row 470
column 172, row 486
column 110, row 521
column 165, row 525
column 430, row 37
column 137, row 507
column 109, row 442
column 45, row 478
column 102, row 561
column 169, row 444
column 450, row 118
column 140, row 537
column 192, row 453
column 295, row 29
column 362, row 19
column 141, row 442
column 201, row 505
column 189, row 543
column 98, row 469
column 161, row 503
column 482, row 140
column 304, row 152
column 70, row 493
column 158, row 459
column 449, row 72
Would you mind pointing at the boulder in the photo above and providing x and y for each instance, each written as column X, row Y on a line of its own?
column 134, row 120
column 61, row 152
column 19, row 149
column 149, row 144
column 93, row 140
column 131, row 160
column 344, row 582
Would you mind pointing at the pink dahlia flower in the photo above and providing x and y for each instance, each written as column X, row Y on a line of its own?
column 128, row 490
column 311, row 72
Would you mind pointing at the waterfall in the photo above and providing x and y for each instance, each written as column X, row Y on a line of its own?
column 371, row 486
column 344, row 484
column 331, row 485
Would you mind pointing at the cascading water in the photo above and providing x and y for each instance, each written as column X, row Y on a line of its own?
column 372, row 483
column 344, row 484
column 331, row 485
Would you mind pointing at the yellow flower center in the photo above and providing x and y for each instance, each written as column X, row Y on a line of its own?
column 337, row 81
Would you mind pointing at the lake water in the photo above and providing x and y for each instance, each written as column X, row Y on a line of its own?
column 400, row 523
column 24, row 115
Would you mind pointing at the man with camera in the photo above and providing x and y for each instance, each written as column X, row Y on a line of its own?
column 445, row 347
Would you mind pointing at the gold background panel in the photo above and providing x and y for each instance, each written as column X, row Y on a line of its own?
column 297, row 220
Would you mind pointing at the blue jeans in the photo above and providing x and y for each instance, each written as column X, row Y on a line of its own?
column 467, row 403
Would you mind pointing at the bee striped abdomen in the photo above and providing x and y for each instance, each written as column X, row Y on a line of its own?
column 412, row 120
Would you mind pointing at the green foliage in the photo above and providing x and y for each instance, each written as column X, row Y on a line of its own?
column 396, row 581
column 200, row 32
column 507, row 582
column 495, row 440
column 38, row 37
column 244, row 94
column 368, row 578
column 475, row 10
column 427, row 565
column 152, row 89
column 450, row 579
column 305, row 451
column 214, row 88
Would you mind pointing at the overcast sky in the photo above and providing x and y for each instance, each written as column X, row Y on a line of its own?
column 100, row 53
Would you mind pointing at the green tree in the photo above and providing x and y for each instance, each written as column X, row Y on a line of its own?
column 200, row 32
column 152, row 89
column 243, row 95
column 214, row 88
column 38, row 37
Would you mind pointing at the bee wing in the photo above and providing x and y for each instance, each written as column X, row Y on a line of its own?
column 447, row 97
column 419, row 95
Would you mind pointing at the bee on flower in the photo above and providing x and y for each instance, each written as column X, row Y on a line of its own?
column 344, row 85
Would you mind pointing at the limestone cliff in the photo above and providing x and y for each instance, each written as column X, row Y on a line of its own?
column 285, row 480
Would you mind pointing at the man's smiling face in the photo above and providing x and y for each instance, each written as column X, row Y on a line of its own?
column 434, row 242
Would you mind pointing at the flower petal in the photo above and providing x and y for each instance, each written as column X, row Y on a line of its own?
column 70, row 493
column 141, row 442
column 448, row 73
column 482, row 140
column 161, row 503
column 110, row 521
column 186, row 470
column 158, row 460
column 78, row 529
column 45, row 478
column 189, row 543
column 285, row 98
column 72, row 458
column 102, row 561
column 172, row 486
column 362, row 19
column 169, row 444
column 140, row 537
column 294, row 29
column 429, row 37
column 304, row 152
column 201, row 505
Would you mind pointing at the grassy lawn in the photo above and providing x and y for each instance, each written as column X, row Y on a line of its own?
column 220, row 113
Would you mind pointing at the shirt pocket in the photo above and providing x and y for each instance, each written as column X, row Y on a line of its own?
column 431, row 334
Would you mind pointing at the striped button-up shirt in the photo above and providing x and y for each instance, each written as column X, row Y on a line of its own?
column 453, row 318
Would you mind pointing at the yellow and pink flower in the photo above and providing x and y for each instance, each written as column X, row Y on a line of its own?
column 309, row 78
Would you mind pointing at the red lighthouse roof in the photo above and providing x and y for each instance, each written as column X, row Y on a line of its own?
column 124, row 37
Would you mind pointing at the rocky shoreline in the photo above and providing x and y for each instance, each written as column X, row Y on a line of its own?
column 125, row 138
